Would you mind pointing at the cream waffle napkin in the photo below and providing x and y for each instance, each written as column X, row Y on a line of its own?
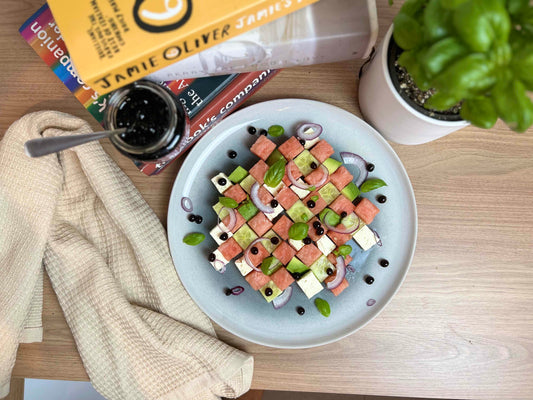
column 139, row 334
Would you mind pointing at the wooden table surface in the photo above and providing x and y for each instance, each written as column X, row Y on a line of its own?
column 461, row 326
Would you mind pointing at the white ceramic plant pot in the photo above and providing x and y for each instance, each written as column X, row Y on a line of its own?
column 384, row 108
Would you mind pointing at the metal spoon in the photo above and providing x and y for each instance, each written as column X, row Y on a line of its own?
column 48, row 145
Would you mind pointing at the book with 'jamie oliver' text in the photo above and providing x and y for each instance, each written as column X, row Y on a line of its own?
column 116, row 42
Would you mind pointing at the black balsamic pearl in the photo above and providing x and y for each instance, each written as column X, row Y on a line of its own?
column 254, row 250
column 252, row 130
column 274, row 203
column 329, row 271
column 274, row 240
column 369, row 280
column 198, row 219
column 311, row 204
column 300, row 310
column 222, row 181
column 192, row 217
column 302, row 142
column 370, row 167
column 232, row 154
column 317, row 224
column 319, row 231
column 307, row 240
column 344, row 214
column 313, row 165
column 223, row 236
column 384, row 263
column 296, row 275
column 382, row 199
column 212, row 257
column 268, row 292
column 228, row 292
column 263, row 132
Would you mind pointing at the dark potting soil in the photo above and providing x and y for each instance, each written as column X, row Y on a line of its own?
column 406, row 87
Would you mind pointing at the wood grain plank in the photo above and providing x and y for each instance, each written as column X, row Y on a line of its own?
column 16, row 389
column 460, row 326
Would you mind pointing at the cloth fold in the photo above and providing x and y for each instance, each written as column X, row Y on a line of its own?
column 138, row 332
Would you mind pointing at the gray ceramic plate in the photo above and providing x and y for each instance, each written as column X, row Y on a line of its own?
column 248, row 315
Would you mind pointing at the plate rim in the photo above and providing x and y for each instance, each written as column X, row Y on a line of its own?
column 291, row 102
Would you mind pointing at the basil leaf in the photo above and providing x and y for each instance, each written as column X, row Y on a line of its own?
column 276, row 130
column 314, row 198
column 311, row 188
column 298, row 231
column 479, row 111
column 343, row 250
column 407, row 31
column 269, row 265
column 228, row 202
column 275, row 174
column 329, row 217
column 192, row 239
column 323, row 307
column 372, row 184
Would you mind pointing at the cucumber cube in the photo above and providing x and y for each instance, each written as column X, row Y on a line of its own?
column 238, row 174
column 276, row 291
column 332, row 219
column 248, row 210
column 296, row 266
column 350, row 191
column 299, row 212
column 269, row 246
column 332, row 165
column 303, row 162
column 320, row 266
column 275, row 156
column 247, row 183
column 329, row 192
column 244, row 236
column 217, row 207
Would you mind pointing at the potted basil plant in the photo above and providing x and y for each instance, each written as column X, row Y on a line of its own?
column 446, row 63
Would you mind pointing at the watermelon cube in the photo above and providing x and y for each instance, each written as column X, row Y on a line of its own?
column 286, row 197
column 284, row 253
column 312, row 230
column 322, row 151
column 282, row 228
column 341, row 177
column 264, row 195
column 309, row 254
column 295, row 171
column 339, row 238
column 315, row 177
column 291, row 148
column 230, row 249
column 263, row 147
column 260, row 224
column 257, row 279
column 342, row 204
column 333, row 259
column 282, row 278
column 258, row 258
column 236, row 193
column 366, row 210
column 240, row 221
column 258, row 171
column 320, row 203
column 339, row 289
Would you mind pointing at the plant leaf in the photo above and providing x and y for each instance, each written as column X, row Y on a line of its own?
column 372, row 184
column 407, row 31
column 479, row 111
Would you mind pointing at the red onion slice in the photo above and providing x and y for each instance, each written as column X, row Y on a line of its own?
column 237, row 290
column 350, row 268
column 186, row 204
column 302, row 185
column 232, row 220
column 348, row 230
column 220, row 262
column 283, row 298
column 341, row 273
column 359, row 162
column 370, row 302
column 247, row 257
column 254, row 195
column 378, row 239
column 308, row 131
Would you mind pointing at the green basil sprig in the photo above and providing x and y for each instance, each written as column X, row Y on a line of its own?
column 276, row 130
column 298, row 231
column 343, row 250
column 193, row 239
column 372, row 184
column 275, row 174
column 323, row 307
column 228, row 202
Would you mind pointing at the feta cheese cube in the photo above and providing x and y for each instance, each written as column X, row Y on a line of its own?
column 216, row 232
column 219, row 257
column 274, row 191
column 365, row 238
column 277, row 211
column 296, row 244
column 301, row 193
column 310, row 285
column 243, row 266
column 221, row 188
column 325, row 245
column 310, row 143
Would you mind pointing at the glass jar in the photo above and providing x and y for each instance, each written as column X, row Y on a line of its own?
column 155, row 118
